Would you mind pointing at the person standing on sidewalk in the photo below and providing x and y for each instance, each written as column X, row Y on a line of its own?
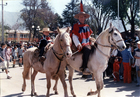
column 137, row 62
column 126, row 56
column 5, row 58
column 14, row 55
column 20, row 52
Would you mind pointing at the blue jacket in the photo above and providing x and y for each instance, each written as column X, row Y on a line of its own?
column 126, row 55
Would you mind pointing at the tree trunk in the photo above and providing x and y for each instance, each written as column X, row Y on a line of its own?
column 132, row 27
column 123, row 24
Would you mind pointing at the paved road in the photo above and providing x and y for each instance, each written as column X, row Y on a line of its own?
column 12, row 87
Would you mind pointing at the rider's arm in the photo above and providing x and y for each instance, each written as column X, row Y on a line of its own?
column 75, row 40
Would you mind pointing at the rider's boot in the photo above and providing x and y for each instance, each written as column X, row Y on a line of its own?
column 42, row 59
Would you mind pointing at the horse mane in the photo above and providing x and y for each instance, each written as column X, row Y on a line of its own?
column 104, row 31
column 93, row 47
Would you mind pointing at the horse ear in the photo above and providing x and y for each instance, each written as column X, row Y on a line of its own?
column 58, row 30
column 111, row 28
column 68, row 30
column 111, row 25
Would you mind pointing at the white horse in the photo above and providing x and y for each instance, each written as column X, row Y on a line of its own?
column 52, row 64
column 99, row 57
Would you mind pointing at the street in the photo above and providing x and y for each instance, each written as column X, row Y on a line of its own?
column 12, row 87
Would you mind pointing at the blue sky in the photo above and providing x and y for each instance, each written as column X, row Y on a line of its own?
column 15, row 5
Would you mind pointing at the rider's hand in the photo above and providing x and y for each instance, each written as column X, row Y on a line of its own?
column 79, row 46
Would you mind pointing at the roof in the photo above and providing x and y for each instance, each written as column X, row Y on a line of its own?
column 18, row 31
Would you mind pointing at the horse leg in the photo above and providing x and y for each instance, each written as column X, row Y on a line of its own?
column 62, row 78
column 70, row 80
column 25, row 75
column 32, row 83
column 92, row 92
column 24, row 84
column 48, row 84
column 99, row 84
column 55, row 86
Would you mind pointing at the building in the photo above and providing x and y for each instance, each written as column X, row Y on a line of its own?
column 18, row 36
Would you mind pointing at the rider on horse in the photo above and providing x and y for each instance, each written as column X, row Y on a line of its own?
column 80, row 35
column 43, row 42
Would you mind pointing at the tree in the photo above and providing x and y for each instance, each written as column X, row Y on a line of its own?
column 38, row 13
column 68, row 14
column 129, row 10
column 100, row 14
column 6, row 27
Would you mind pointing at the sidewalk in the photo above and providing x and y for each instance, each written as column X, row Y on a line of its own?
column 12, row 87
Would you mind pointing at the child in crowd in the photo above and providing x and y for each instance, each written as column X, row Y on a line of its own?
column 116, row 68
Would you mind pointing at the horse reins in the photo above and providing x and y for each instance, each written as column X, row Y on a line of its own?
column 60, row 59
column 114, row 42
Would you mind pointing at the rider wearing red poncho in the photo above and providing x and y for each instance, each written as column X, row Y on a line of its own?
column 80, row 34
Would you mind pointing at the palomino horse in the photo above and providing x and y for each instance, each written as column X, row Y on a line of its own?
column 99, row 57
column 61, row 48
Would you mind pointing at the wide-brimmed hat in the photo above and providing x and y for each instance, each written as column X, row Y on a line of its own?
column 81, row 12
column 46, row 29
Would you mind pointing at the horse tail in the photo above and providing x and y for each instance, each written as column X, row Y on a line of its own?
column 27, row 67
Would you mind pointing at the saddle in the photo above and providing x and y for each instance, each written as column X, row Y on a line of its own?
column 36, row 53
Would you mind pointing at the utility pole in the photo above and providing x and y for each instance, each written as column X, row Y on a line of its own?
column 2, row 22
column 118, row 14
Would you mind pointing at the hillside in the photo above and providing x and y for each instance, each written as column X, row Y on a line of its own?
column 10, row 18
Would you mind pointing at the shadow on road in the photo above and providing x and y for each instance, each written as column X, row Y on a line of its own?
column 16, row 95
column 120, row 87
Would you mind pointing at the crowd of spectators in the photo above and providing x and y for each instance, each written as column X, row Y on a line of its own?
column 12, row 52
column 125, row 65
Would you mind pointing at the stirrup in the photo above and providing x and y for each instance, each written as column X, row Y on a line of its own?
column 86, row 71
column 81, row 69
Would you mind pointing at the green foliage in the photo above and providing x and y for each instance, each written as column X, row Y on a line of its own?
column 39, row 13
column 68, row 14
column 128, row 12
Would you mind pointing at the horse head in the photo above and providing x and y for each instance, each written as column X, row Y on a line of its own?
column 116, row 39
column 65, row 42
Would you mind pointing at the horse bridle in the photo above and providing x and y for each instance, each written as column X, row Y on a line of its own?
column 114, row 41
column 110, row 37
column 56, row 54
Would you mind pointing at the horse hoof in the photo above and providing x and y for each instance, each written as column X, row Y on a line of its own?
column 23, row 90
column 91, row 93
column 56, row 92
column 88, row 94
column 32, row 94
column 35, row 94
column 74, row 95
